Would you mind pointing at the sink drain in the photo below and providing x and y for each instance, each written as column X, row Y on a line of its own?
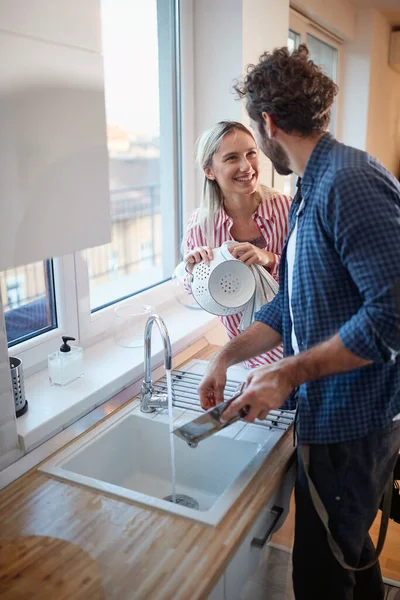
column 184, row 500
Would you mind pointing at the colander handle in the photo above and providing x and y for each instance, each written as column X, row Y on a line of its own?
column 190, row 272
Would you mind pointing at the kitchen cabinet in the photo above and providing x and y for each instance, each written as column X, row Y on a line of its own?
column 249, row 556
column 218, row 592
column 236, row 582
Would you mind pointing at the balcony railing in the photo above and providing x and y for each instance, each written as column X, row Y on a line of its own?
column 135, row 201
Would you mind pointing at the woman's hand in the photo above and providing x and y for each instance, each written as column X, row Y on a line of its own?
column 251, row 255
column 198, row 254
column 211, row 388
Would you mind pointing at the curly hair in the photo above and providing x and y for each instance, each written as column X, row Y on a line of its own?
column 291, row 89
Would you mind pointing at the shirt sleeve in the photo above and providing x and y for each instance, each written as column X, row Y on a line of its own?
column 271, row 313
column 363, row 211
column 193, row 237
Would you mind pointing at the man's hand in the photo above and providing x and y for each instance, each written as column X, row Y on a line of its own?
column 211, row 388
column 258, row 338
column 267, row 388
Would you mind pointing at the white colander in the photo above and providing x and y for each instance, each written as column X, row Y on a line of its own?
column 223, row 287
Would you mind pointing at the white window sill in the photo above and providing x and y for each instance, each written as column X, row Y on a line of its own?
column 108, row 368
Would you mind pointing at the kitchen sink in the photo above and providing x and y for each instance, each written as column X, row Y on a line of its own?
column 128, row 456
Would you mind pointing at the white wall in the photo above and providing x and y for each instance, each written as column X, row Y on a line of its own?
column 339, row 16
column 265, row 27
column 217, row 60
column 355, row 83
column 227, row 35
column 212, row 53
column 383, row 133
column 370, row 92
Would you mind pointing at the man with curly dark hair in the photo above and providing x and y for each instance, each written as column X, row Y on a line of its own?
column 295, row 94
column 338, row 314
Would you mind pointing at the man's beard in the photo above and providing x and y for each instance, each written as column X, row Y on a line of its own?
column 276, row 154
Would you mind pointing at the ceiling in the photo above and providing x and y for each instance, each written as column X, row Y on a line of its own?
column 390, row 8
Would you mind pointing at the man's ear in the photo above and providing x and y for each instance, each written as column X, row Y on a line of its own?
column 209, row 173
column 270, row 126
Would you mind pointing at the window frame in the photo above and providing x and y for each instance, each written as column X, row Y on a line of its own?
column 95, row 324
column 33, row 352
column 49, row 275
column 302, row 25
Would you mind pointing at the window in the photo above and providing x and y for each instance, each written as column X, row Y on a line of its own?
column 324, row 47
column 294, row 40
column 326, row 56
column 64, row 296
column 15, row 284
column 325, row 52
column 137, row 57
column 28, row 301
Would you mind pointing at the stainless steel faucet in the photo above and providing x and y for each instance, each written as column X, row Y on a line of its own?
column 150, row 400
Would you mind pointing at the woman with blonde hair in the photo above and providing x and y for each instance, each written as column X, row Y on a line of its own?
column 236, row 207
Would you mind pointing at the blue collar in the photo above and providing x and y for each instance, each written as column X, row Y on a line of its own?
column 317, row 161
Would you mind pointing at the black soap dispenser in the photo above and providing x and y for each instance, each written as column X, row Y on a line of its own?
column 65, row 365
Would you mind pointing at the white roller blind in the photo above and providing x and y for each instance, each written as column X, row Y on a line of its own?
column 54, row 196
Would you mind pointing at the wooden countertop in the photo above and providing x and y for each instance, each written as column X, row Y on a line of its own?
column 133, row 551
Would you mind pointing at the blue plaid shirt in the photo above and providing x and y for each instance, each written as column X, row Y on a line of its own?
column 346, row 279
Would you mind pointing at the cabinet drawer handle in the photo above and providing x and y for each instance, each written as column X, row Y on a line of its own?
column 260, row 542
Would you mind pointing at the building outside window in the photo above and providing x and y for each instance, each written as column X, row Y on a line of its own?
column 28, row 301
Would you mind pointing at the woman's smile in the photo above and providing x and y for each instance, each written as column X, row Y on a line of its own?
column 246, row 178
column 235, row 165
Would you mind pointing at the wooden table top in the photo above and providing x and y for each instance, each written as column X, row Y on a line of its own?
column 35, row 567
column 136, row 551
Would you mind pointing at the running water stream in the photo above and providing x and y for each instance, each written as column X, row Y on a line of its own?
column 171, row 435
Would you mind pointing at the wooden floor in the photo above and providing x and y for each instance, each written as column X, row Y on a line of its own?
column 390, row 557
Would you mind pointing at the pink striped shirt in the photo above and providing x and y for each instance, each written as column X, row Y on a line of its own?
column 271, row 220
